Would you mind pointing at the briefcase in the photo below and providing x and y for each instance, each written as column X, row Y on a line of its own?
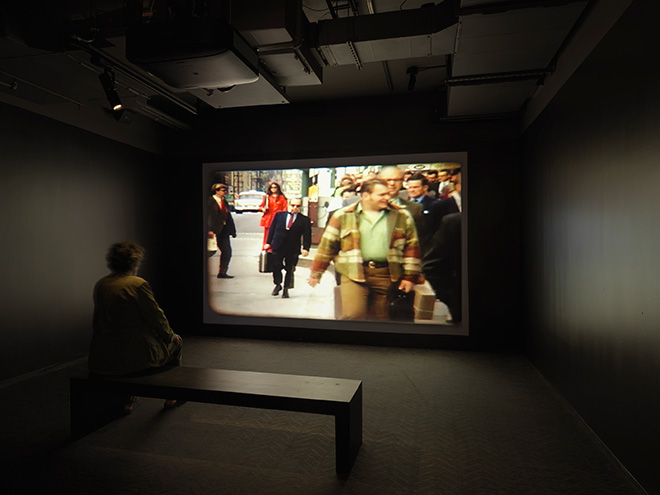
column 290, row 286
column 265, row 262
column 401, row 305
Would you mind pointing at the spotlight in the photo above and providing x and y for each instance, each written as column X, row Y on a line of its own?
column 107, row 78
column 412, row 72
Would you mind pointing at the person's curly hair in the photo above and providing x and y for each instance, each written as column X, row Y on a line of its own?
column 122, row 257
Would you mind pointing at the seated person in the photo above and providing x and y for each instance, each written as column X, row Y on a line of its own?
column 131, row 333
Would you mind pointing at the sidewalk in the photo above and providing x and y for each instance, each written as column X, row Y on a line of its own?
column 249, row 292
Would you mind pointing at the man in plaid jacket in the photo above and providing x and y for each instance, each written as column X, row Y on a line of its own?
column 374, row 245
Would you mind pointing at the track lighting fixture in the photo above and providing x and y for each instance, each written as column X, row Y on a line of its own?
column 124, row 116
column 107, row 78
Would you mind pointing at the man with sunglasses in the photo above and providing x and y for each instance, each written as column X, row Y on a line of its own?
column 221, row 223
column 287, row 231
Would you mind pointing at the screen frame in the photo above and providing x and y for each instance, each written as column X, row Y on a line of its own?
column 211, row 317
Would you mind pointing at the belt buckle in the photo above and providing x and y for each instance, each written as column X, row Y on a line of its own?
column 372, row 264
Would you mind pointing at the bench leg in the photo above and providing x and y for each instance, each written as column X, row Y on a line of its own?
column 90, row 409
column 348, row 433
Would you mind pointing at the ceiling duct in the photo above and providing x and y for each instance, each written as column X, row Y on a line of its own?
column 281, row 34
column 193, row 53
column 424, row 32
column 426, row 20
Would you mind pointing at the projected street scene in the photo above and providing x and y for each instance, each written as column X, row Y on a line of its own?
column 341, row 244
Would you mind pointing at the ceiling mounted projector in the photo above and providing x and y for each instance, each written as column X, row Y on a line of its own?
column 193, row 53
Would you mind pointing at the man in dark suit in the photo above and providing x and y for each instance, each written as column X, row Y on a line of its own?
column 434, row 184
column 442, row 265
column 451, row 204
column 418, row 186
column 221, row 223
column 287, row 231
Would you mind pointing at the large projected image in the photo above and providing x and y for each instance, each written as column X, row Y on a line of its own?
column 368, row 243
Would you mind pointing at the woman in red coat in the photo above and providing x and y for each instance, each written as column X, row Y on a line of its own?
column 274, row 201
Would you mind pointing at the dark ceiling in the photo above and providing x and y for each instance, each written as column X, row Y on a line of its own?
column 485, row 58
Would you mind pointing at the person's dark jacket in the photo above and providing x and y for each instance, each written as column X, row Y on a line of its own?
column 218, row 222
column 286, row 241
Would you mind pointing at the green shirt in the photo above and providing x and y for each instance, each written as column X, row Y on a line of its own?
column 341, row 243
column 374, row 238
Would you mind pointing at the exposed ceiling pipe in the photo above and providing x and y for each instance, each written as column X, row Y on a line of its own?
column 146, row 109
column 388, row 76
column 505, row 6
column 465, row 118
column 331, row 9
column 14, row 85
column 496, row 78
column 349, row 5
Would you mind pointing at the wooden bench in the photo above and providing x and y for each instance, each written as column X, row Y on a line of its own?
column 331, row 396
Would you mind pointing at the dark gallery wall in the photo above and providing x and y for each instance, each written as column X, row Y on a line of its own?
column 67, row 194
column 592, row 236
column 401, row 124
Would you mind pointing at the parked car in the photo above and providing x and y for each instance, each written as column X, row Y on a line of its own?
column 248, row 201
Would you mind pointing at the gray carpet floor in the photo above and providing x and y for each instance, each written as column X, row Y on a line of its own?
column 435, row 422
